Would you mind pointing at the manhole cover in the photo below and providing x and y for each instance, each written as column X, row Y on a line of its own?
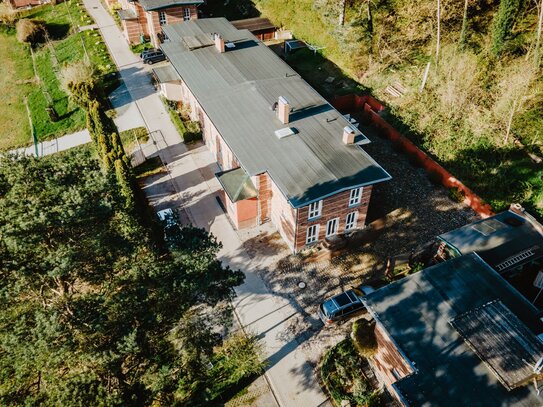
column 301, row 284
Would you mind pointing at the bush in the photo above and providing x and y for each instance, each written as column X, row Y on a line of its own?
column 363, row 336
column 189, row 130
column 31, row 31
column 78, row 72
column 8, row 15
column 342, row 374
column 457, row 195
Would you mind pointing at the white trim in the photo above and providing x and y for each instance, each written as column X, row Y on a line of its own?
column 353, row 223
column 162, row 19
column 314, row 236
column 185, row 16
column 335, row 224
column 315, row 212
column 355, row 197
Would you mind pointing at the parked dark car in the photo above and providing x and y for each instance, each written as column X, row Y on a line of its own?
column 344, row 305
column 147, row 51
column 153, row 56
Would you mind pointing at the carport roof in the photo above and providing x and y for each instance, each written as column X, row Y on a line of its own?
column 237, row 184
column 237, row 89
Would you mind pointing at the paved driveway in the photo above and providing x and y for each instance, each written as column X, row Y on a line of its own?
column 190, row 177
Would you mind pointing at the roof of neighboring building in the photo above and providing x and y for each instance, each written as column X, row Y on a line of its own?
column 504, row 240
column 237, row 184
column 150, row 5
column 127, row 14
column 237, row 89
column 418, row 313
column 165, row 74
column 254, row 24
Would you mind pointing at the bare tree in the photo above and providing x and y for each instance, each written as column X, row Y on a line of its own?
column 438, row 41
column 463, row 32
column 537, row 59
column 342, row 5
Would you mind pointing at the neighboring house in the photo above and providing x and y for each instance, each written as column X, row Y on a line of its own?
column 457, row 334
column 286, row 155
column 511, row 242
column 27, row 3
column 260, row 27
column 146, row 17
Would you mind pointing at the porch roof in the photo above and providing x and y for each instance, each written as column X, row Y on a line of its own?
column 127, row 14
column 237, row 184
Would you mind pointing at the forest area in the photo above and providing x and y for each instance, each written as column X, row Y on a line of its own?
column 469, row 73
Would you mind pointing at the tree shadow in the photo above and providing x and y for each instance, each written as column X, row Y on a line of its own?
column 57, row 31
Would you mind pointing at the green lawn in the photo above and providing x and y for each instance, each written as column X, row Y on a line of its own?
column 67, row 46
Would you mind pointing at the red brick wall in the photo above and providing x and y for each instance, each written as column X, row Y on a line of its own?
column 173, row 15
column 335, row 206
column 387, row 358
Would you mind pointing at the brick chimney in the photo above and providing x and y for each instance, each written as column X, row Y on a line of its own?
column 219, row 43
column 348, row 135
column 283, row 110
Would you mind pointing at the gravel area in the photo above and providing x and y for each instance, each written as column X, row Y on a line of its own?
column 406, row 212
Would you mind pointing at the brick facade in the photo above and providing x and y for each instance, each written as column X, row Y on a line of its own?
column 389, row 362
column 271, row 204
column 335, row 206
column 148, row 22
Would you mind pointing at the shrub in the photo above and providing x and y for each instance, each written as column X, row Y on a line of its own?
column 8, row 15
column 363, row 337
column 76, row 73
column 457, row 195
column 31, row 31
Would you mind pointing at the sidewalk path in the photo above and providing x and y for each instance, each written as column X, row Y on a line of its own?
column 191, row 173
column 56, row 145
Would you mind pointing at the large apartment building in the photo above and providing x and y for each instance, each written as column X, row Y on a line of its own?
column 286, row 155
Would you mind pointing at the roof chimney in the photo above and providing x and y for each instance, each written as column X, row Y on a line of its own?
column 348, row 135
column 219, row 43
column 283, row 110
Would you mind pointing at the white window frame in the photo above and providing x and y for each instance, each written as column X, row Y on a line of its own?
column 356, row 196
column 312, row 234
column 314, row 210
column 186, row 14
column 350, row 224
column 335, row 224
column 162, row 19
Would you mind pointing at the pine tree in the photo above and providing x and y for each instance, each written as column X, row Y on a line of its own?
column 503, row 24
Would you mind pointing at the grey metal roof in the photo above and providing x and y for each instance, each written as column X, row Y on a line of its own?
column 506, row 346
column 237, row 89
column 165, row 74
column 149, row 5
column 237, row 184
column 127, row 14
column 498, row 239
column 416, row 311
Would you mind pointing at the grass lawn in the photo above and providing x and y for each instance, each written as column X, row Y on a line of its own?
column 67, row 45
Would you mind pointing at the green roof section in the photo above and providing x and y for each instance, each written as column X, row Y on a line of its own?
column 237, row 90
column 165, row 74
column 428, row 313
column 237, row 184
column 150, row 5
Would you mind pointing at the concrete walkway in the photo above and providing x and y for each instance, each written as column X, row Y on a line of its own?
column 191, row 179
column 56, row 145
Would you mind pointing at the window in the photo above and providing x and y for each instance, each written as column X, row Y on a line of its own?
column 312, row 234
column 350, row 221
column 396, row 374
column 186, row 14
column 315, row 210
column 331, row 227
column 161, row 17
column 356, row 196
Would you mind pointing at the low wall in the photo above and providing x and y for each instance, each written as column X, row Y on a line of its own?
column 370, row 108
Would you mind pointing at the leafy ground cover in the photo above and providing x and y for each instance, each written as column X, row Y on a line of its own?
column 67, row 45
column 480, row 111
column 342, row 373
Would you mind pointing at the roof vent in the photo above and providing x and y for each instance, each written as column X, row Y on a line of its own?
column 285, row 132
